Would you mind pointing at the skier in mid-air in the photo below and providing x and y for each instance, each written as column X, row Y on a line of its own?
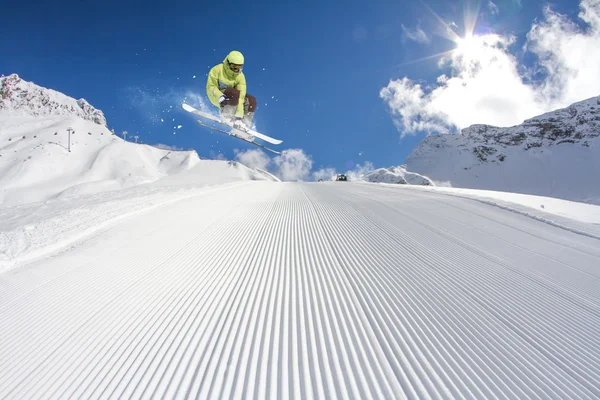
column 226, row 89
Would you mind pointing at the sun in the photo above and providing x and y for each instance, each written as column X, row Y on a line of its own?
column 468, row 47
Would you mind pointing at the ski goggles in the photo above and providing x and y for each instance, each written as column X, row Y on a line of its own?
column 236, row 67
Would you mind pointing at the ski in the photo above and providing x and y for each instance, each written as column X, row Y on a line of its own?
column 211, row 117
column 237, row 136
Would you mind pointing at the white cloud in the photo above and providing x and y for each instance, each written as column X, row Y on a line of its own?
column 253, row 158
column 354, row 174
column 325, row 174
column 418, row 35
column 487, row 84
column 292, row 165
column 493, row 7
column 213, row 155
column 358, row 171
column 571, row 56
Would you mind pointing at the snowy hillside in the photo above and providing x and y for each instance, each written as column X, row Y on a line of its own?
column 41, row 159
column 397, row 175
column 555, row 154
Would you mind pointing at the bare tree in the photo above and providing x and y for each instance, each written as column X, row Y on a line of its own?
column 124, row 133
column 136, row 138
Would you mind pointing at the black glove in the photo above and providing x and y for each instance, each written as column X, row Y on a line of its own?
column 223, row 100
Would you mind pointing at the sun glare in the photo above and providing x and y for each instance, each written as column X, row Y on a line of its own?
column 467, row 47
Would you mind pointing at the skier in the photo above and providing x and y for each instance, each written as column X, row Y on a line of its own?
column 226, row 89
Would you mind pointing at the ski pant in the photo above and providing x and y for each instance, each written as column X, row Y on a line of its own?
column 229, row 106
column 233, row 98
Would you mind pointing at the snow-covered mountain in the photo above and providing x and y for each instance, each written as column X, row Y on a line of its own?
column 556, row 154
column 52, row 146
column 399, row 175
column 24, row 98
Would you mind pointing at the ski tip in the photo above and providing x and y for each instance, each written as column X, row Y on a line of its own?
column 187, row 107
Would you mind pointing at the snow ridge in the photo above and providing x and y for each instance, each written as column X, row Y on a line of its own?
column 576, row 124
column 20, row 97
column 399, row 175
column 555, row 154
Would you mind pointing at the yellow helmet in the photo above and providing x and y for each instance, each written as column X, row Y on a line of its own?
column 235, row 57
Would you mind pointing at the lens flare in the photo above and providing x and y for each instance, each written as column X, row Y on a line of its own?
column 468, row 45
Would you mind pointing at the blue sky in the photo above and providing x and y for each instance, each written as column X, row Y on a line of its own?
column 317, row 68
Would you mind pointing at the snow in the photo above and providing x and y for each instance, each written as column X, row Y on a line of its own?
column 36, row 164
column 397, row 175
column 555, row 155
column 129, row 271
column 35, row 230
column 74, row 193
column 582, row 212
column 257, row 289
column 573, row 216
column 19, row 97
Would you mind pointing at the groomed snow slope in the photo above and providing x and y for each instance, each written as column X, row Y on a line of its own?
column 328, row 290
